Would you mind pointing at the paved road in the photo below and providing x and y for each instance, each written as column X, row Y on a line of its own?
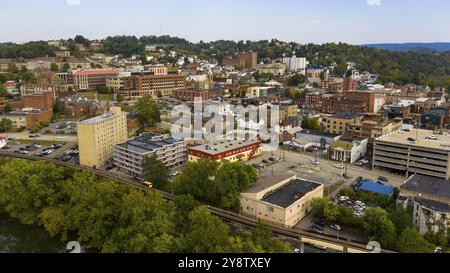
column 63, row 138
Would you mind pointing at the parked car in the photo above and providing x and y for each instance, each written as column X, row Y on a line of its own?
column 383, row 179
column 318, row 228
column 340, row 166
column 6, row 147
column 265, row 161
column 274, row 158
column 314, row 162
column 66, row 158
column 336, row 227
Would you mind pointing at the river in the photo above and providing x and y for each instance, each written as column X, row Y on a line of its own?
column 18, row 238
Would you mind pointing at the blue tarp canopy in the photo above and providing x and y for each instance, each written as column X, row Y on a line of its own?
column 377, row 188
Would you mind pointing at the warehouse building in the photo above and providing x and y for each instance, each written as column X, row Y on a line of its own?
column 280, row 199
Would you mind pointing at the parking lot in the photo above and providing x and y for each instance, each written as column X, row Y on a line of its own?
column 326, row 172
column 65, row 151
column 61, row 128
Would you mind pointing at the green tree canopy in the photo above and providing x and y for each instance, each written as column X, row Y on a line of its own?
column 155, row 171
column 410, row 241
column 215, row 183
column 379, row 227
column 148, row 110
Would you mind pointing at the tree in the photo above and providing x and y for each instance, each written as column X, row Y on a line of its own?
column 146, row 228
column 378, row 226
column 438, row 239
column 155, row 171
column 326, row 209
column 119, row 98
column 66, row 67
column 296, row 80
column 54, row 67
column 216, row 183
column 346, row 216
column 319, row 205
column 410, row 241
column 262, row 236
column 8, row 108
column 312, row 124
column 401, row 218
column 206, row 233
column 5, row 125
column 148, row 110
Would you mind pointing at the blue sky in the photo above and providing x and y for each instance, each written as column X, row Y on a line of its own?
column 318, row 21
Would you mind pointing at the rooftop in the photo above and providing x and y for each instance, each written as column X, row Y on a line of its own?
column 223, row 146
column 348, row 115
column 427, row 185
column 377, row 188
column 96, row 72
column 147, row 143
column 290, row 193
column 401, row 137
column 434, row 205
column 103, row 117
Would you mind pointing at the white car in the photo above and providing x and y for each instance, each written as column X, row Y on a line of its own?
column 343, row 198
column 314, row 162
column 336, row 227
column 340, row 166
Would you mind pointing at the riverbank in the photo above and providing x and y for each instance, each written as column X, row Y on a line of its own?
column 18, row 238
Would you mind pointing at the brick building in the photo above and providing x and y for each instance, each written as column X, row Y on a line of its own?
column 27, row 119
column 246, row 61
column 137, row 86
column 90, row 79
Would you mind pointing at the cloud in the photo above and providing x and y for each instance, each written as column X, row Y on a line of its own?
column 374, row 2
column 317, row 21
column 73, row 2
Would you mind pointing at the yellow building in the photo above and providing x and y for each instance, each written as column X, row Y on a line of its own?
column 277, row 69
column 282, row 199
column 338, row 124
column 98, row 136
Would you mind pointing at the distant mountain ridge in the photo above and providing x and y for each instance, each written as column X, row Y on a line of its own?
column 421, row 47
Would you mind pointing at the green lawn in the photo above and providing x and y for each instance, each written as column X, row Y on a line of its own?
column 91, row 95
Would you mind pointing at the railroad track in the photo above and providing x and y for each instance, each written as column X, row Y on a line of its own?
column 227, row 216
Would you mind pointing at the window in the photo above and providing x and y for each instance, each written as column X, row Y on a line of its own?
column 270, row 209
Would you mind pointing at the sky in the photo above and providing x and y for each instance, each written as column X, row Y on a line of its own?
column 303, row 21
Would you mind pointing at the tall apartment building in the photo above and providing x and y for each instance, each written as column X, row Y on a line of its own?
column 246, row 61
column 129, row 156
column 138, row 86
column 414, row 152
column 89, row 79
column 296, row 64
column 98, row 136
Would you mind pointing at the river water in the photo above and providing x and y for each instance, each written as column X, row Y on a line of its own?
column 18, row 238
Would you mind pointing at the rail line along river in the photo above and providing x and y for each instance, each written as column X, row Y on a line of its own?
column 18, row 238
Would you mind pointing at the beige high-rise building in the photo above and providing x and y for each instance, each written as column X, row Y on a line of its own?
column 98, row 136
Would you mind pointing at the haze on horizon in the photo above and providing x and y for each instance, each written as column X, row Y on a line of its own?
column 303, row 21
